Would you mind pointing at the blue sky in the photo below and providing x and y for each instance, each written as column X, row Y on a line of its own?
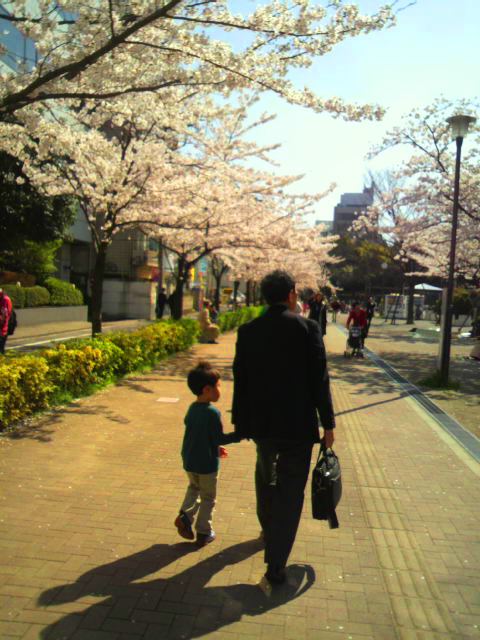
column 434, row 50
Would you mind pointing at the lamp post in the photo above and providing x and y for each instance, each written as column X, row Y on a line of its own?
column 459, row 127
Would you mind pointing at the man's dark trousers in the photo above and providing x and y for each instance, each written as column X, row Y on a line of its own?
column 281, row 474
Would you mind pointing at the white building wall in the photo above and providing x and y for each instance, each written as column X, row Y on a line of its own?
column 129, row 299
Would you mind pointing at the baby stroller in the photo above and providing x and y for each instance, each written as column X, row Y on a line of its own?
column 354, row 346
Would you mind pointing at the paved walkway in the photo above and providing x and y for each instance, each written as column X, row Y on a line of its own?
column 88, row 550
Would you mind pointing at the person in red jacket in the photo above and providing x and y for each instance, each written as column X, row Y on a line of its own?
column 5, row 313
column 358, row 317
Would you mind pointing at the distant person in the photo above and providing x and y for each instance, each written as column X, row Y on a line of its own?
column 5, row 313
column 171, row 299
column 370, row 309
column 200, row 453
column 213, row 312
column 281, row 388
column 335, row 307
column 318, row 312
column 161, row 302
column 209, row 330
column 358, row 317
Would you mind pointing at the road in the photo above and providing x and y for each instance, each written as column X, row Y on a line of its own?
column 41, row 336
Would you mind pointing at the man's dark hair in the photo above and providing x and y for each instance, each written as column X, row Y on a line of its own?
column 201, row 376
column 276, row 286
column 355, row 303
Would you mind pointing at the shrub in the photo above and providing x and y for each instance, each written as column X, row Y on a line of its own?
column 16, row 294
column 232, row 319
column 24, row 388
column 36, row 296
column 62, row 293
column 74, row 370
column 34, row 382
column 462, row 303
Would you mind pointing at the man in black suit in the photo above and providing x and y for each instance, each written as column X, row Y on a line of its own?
column 281, row 386
column 318, row 312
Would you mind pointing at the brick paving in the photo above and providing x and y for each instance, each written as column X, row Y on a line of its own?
column 88, row 550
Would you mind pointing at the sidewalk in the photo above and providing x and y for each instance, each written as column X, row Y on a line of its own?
column 89, row 551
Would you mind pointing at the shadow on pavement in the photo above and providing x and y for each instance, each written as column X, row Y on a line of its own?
column 371, row 404
column 363, row 376
column 42, row 429
column 180, row 606
column 180, row 364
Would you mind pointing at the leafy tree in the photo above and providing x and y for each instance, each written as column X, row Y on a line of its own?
column 365, row 265
column 32, row 225
column 36, row 258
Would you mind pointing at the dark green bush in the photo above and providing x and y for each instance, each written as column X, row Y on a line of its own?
column 16, row 294
column 36, row 297
column 62, row 293
column 462, row 302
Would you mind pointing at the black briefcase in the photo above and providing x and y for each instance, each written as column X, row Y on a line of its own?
column 326, row 487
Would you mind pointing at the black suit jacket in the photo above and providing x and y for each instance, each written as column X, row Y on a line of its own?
column 281, row 382
column 318, row 312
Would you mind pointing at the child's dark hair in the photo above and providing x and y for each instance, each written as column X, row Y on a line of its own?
column 201, row 376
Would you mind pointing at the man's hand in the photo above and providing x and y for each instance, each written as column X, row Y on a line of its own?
column 328, row 437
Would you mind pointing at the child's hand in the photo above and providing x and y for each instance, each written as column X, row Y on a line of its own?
column 222, row 452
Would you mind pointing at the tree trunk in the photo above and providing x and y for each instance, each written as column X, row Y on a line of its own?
column 218, row 274
column 160, row 264
column 97, row 288
column 248, row 296
column 218, row 284
column 177, row 311
column 410, row 301
column 236, row 286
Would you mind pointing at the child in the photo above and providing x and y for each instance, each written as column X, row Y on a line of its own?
column 200, row 453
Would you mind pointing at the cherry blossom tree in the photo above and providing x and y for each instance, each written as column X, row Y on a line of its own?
column 413, row 203
column 425, row 187
column 225, row 205
column 99, row 51
column 106, row 162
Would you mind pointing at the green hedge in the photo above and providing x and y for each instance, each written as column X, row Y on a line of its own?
column 33, row 382
column 55, row 292
column 62, row 293
column 36, row 297
column 37, row 381
column 16, row 294
column 232, row 319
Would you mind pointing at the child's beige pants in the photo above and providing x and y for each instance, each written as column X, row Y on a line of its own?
column 200, row 497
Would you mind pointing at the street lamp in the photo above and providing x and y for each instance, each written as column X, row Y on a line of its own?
column 459, row 128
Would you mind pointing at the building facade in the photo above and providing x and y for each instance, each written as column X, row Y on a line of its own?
column 351, row 205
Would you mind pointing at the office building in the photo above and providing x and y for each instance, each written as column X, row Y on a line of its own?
column 351, row 205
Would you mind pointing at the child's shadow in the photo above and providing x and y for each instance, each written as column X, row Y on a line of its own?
column 198, row 609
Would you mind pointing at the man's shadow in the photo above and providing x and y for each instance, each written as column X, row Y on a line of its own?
column 201, row 609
